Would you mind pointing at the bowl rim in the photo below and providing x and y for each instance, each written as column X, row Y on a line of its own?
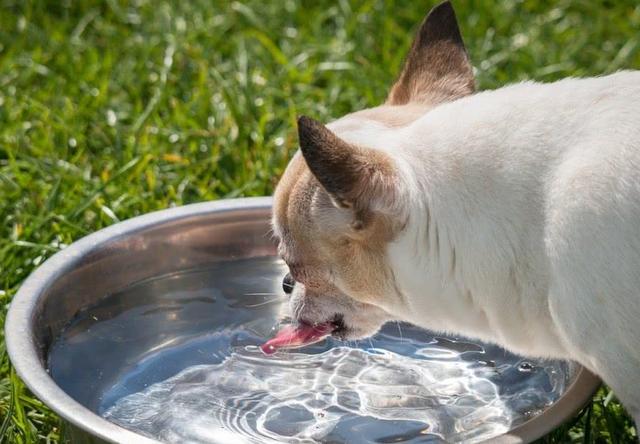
column 23, row 351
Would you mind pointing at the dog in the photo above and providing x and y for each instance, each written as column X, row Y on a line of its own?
column 511, row 216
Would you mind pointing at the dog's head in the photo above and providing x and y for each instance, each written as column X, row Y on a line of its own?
column 343, row 199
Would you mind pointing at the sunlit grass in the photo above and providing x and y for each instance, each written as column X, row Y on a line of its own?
column 112, row 109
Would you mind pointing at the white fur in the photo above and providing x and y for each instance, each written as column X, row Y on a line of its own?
column 524, row 220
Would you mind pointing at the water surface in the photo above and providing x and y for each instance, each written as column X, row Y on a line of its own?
column 176, row 358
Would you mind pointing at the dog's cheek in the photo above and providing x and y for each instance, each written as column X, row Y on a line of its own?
column 363, row 275
column 318, row 308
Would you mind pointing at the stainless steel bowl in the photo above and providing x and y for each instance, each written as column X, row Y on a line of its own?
column 151, row 245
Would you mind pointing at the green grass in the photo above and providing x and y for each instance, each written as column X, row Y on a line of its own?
column 113, row 109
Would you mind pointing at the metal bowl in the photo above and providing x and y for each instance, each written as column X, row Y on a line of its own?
column 155, row 244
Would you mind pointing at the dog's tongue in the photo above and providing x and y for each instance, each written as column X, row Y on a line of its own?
column 291, row 336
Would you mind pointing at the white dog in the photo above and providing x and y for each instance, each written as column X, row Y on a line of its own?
column 512, row 216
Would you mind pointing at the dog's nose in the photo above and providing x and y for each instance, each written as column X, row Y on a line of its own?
column 288, row 283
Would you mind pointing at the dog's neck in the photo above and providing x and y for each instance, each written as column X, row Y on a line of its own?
column 471, row 260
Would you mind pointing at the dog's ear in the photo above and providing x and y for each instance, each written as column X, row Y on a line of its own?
column 437, row 68
column 355, row 177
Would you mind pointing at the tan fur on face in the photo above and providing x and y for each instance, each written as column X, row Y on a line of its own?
column 324, row 245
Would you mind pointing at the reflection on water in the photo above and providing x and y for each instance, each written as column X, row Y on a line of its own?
column 180, row 363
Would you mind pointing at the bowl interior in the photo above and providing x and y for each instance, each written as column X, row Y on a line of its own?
column 154, row 299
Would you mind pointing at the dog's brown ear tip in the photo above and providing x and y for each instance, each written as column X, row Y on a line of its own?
column 441, row 23
column 313, row 135
column 444, row 7
column 306, row 126
column 302, row 120
column 306, row 132
column 305, row 122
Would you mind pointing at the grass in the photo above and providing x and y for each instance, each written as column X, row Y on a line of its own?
column 110, row 109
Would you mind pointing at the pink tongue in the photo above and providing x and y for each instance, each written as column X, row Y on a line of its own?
column 291, row 336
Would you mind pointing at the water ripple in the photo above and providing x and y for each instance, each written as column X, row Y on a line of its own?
column 176, row 358
column 328, row 397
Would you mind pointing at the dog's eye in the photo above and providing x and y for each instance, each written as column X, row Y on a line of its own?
column 288, row 283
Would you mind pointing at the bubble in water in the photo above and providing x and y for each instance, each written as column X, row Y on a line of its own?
column 526, row 367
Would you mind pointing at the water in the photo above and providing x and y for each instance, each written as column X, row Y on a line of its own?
column 176, row 358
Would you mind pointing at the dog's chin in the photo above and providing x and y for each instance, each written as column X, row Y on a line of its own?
column 346, row 331
column 352, row 333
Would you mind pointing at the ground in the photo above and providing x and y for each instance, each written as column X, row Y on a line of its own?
column 110, row 109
